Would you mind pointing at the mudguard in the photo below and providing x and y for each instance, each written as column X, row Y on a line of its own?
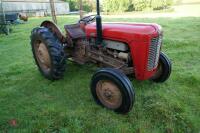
column 54, row 29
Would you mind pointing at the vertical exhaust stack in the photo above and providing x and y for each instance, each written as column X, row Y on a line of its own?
column 98, row 25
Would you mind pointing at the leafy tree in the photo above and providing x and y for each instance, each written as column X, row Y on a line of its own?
column 121, row 5
column 140, row 5
column 73, row 4
column 88, row 5
column 134, row 5
column 116, row 5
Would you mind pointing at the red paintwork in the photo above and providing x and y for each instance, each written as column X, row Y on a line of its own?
column 137, row 36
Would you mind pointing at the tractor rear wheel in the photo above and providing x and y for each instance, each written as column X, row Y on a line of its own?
column 48, row 53
column 164, row 69
column 113, row 90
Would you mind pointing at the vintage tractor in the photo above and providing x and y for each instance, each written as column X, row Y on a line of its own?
column 119, row 48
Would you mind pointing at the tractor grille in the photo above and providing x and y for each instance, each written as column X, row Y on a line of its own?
column 154, row 50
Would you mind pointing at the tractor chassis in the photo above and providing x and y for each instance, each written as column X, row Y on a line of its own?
column 83, row 52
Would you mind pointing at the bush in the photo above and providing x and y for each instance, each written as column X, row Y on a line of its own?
column 160, row 4
column 140, row 5
column 116, row 5
column 88, row 5
column 134, row 5
column 121, row 5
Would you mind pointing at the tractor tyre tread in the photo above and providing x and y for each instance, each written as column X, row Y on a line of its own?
column 55, row 49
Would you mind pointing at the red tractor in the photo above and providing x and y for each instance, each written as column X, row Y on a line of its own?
column 119, row 48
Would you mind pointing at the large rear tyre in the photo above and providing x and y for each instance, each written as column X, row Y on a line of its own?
column 48, row 53
column 113, row 90
column 164, row 69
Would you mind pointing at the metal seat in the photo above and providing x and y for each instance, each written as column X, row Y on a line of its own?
column 75, row 31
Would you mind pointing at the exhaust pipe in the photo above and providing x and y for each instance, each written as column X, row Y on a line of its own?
column 98, row 25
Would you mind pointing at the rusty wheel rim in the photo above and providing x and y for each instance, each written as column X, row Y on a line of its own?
column 43, row 56
column 109, row 94
column 158, row 72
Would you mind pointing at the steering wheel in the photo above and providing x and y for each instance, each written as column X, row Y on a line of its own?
column 87, row 19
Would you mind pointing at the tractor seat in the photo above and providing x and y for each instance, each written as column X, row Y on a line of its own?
column 74, row 31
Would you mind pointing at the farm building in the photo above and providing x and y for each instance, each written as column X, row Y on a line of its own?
column 35, row 7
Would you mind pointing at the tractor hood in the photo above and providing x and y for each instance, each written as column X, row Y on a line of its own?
column 125, row 32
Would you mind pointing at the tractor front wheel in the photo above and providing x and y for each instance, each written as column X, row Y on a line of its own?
column 48, row 53
column 163, row 70
column 113, row 90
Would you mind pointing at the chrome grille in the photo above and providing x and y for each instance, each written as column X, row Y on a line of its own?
column 154, row 50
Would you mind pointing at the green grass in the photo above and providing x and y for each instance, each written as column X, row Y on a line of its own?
column 39, row 105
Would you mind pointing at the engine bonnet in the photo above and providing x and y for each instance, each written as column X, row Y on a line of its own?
column 126, row 32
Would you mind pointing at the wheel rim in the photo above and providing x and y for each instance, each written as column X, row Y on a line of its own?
column 109, row 94
column 158, row 72
column 43, row 56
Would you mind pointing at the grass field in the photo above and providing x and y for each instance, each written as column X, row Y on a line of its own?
column 30, row 103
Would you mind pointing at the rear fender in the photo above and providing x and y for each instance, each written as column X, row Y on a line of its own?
column 54, row 29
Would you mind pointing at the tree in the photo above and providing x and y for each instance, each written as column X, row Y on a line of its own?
column 134, row 5
column 88, row 5
column 116, row 5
